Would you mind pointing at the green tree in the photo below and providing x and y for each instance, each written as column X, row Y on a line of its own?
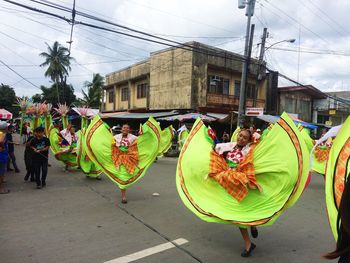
column 66, row 94
column 92, row 97
column 37, row 98
column 8, row 99
column 57, row 60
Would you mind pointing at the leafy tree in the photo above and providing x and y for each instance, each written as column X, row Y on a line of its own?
column 8, row 99
column 92, row 97
column 58, row 61
column 66, row 94
column 36, row 98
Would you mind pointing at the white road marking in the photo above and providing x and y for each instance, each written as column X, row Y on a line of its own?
column 149, row 251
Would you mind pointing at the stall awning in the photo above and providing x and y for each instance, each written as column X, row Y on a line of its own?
column 274, row 119
column 137, row 115
column 6, row 115
column 188, row 116
column 90, row 112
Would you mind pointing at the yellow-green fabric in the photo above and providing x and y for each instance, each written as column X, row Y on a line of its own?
column 281, row 167
column 99, row 140
column 166, row 138
column 235, row 134
column 88, row 167
column 182, row 137
column 338, row 167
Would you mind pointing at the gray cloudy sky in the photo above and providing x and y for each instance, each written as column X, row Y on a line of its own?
column 320, row 27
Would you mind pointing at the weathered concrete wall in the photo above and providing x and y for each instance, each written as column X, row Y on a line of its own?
column 170, row 80
column 132, row 72
column 108, row 105
column 296, row 102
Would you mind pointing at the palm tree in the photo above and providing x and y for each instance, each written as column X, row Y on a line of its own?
column 92, row 97
column 58, row 61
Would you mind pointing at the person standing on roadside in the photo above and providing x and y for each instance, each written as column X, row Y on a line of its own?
column 11, row 149
column 3, row 156
column 28, row 160
column 40, row 145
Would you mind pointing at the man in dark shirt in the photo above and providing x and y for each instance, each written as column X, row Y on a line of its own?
column 40, row 145
column 28, row 160
column 11, row 149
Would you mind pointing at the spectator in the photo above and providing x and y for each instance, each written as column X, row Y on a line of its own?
column 40, row 145
column 3, row 156
column 11, row 149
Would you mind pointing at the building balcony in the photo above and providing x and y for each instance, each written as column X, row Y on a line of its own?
column 231, row 101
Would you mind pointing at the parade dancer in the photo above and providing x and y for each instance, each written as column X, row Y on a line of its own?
column 124, row 140
column 337, row 189
column 269, row 177
column 124, row 158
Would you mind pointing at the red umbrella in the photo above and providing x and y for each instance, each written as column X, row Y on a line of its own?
column 4, row 114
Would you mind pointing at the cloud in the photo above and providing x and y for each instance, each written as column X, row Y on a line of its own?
column 322, row 26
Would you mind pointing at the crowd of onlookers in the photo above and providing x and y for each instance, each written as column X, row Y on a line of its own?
column 35, row 154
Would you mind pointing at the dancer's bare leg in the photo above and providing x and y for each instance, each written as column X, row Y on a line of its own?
column 246, row 238
column 123, row 191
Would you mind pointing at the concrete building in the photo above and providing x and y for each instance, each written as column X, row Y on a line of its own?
column 299, row 100
column 334, row 109
column 197, row 78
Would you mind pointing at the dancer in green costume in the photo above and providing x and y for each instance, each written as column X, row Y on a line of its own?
column 166, row 139
column 337, row 173
column 63, row 152
column 128, row 162
column 278, row 184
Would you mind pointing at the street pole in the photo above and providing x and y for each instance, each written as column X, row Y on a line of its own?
column 249, row 13
column 260, row 62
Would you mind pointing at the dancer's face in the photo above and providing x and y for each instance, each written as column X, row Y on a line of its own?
column 243, row 138
column 125, row 129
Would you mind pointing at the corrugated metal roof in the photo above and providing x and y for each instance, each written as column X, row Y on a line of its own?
column 137, row 115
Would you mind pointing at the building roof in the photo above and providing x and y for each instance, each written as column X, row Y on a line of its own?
column 308, row 89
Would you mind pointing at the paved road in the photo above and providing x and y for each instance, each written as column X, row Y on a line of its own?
column 75, row 219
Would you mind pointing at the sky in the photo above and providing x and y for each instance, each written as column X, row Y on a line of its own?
column 320, row 56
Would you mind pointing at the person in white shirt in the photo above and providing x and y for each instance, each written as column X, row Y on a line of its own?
column 124, row 139
column 69, row 134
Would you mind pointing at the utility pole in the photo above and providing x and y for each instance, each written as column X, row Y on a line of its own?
column 260, row 62
column 249, row 5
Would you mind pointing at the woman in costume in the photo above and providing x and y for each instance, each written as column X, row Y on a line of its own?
column 124, row 159
column 256, row 191
column 63, row 149
column 337, row 190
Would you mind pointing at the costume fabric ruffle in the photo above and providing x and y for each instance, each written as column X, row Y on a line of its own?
column 338, row 167
column 273, row 177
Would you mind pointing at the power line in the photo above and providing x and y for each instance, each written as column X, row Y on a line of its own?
column 31, row 83
column 329, row 52
column 293, row 19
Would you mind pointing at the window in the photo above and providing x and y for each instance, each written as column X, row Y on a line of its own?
column 237, row 87
column 125, row 94
column 250, row 91
column 218, row 85
column 142, row 90
column 110, row 96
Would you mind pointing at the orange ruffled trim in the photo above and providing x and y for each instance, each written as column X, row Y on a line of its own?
column 237, row 181
column 322, row 154
column 129, row 158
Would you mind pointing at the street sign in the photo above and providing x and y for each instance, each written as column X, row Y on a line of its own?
column 332, row 112
column 254, row 111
